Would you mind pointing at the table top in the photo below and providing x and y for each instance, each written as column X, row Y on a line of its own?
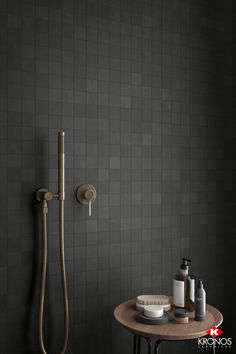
column 126, row 315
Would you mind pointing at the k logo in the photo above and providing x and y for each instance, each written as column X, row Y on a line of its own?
column 214, row 332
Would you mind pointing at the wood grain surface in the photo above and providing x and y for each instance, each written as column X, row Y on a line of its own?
column 126, row 315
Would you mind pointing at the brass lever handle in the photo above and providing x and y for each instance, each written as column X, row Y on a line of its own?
column 86, row 195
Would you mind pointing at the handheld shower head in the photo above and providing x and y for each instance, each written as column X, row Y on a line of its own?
column 61, row 165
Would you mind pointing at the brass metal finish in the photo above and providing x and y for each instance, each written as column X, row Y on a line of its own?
column 43, row 275
column 39, row 194
column 61, row 165
column 63, row 276
column 86, row 195
column 48, row 196
column 43, row 196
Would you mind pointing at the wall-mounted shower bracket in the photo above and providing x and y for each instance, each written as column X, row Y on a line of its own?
column 86, row 195
column 43, row 194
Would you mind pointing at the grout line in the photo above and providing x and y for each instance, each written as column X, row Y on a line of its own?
column 7, row 183
column 161, row 243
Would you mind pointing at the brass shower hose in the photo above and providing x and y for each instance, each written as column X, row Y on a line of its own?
column 44, row 274
column 60, row 196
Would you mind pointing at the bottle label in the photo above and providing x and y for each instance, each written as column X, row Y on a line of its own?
column 184, row 271
column 179, row 298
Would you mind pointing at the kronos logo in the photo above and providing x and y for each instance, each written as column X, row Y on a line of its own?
column 221, row 342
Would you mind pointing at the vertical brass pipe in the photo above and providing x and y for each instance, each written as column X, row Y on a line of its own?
column 61, row 196
column 63, row 276
column 61, row 165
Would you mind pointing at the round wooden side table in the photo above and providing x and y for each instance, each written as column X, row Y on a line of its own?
column 126, row 315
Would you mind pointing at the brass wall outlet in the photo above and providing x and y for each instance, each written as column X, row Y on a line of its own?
column 39, row 194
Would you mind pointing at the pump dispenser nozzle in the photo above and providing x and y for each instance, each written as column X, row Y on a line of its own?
column 200, row 283
column 185, row 263
column 186, row 260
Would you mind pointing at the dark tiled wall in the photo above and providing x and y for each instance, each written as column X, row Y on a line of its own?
column 143, row 91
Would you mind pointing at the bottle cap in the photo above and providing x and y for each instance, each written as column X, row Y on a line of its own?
column 183, row 312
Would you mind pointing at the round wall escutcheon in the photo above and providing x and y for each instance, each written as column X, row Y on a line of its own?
column 86, row 193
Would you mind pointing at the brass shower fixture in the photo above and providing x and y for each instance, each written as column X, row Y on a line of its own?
column 44, row 196
column 86, row 195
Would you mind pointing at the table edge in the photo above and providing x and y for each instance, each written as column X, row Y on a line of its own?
column 164, row 337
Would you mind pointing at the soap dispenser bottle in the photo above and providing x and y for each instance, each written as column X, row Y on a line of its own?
column 180, row 284
column 200, row 302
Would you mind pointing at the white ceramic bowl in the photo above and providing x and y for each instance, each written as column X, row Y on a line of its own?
column 153, row 311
